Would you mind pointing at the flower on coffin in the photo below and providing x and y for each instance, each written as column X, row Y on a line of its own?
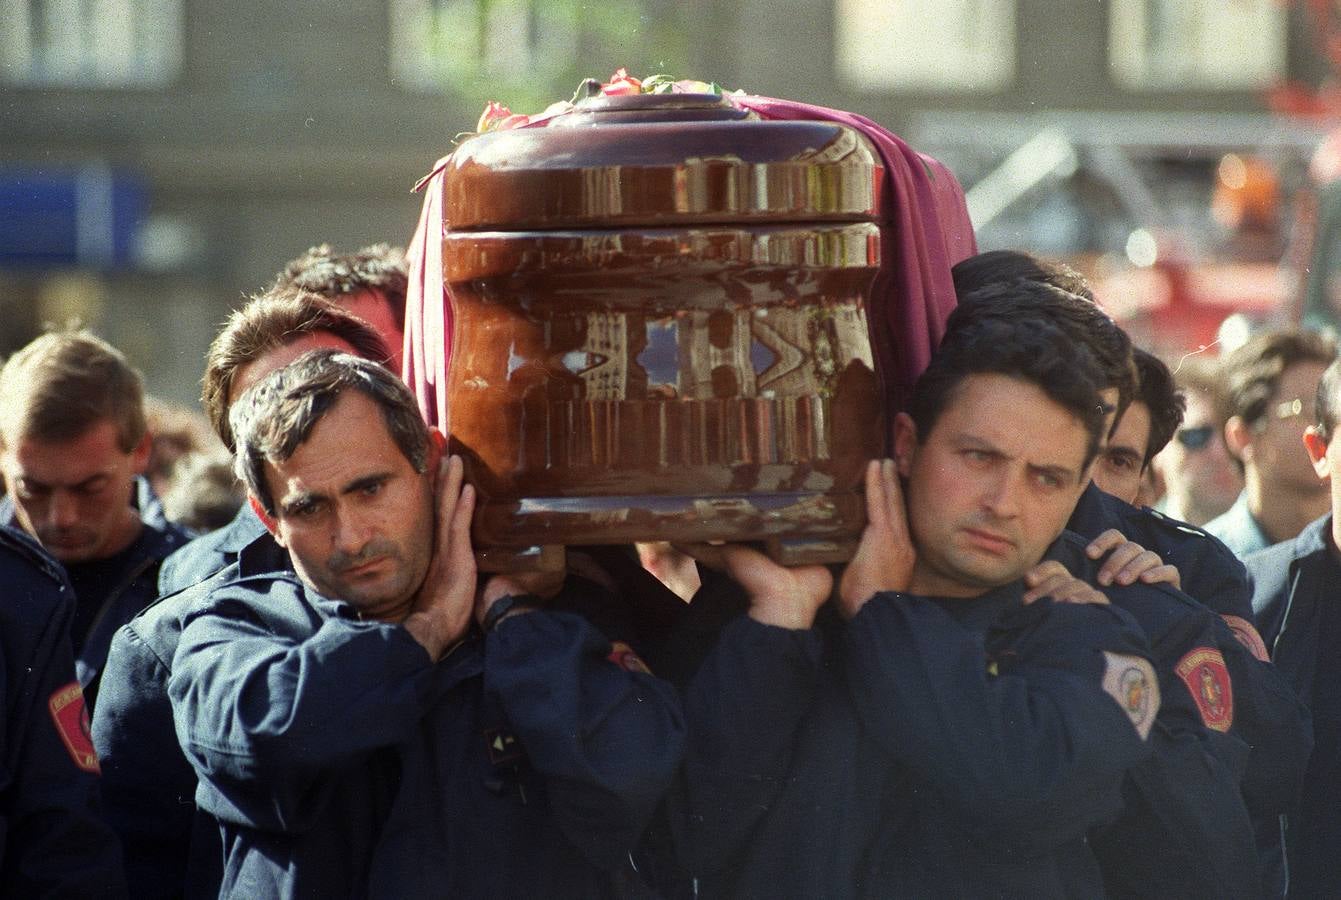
column 497, row 117
column 621, row 83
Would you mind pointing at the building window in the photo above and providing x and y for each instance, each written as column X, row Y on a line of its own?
column 529, row 53
column 90, row 43
column 925, row 45
column 1197, row 44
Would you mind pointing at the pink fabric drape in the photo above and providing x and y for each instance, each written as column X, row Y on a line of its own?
column 928, row 231
column 927, row 227
column 428, row 309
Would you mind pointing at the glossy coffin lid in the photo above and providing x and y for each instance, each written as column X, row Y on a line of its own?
column 607, row 168
column 661, row 331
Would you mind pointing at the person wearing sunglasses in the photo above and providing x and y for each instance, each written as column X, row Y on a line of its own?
column 1270, row 386
column 1200, row 478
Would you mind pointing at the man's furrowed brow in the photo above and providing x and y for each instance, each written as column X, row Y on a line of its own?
column 1062, row 474
column 366, row 481
column 296, row 504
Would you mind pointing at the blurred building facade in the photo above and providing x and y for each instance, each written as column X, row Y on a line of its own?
column 161, row 158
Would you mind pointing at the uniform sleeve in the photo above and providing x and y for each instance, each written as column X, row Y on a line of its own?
column 52, row 839
column 744, row 706
column 1028, row 757
column 148, row 787
column 263, row 717
column 606, row 735
column 1184, row 830
column 1275, row 725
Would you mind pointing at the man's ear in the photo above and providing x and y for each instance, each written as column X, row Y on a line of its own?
column 1316, row 445
column 1238, row 438
column 905, row 443
column 139, row 457
column 270, row 524
column 437, row 448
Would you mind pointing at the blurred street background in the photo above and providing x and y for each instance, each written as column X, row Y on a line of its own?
column 159, row 159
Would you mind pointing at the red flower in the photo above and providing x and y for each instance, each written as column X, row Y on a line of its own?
column 497, row 117
column 621, row 83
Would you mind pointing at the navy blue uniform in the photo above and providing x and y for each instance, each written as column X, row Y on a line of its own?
column 52, row 840
column 927, row 748
column 1295, row 590
column 1184, row 830
column 1210, row 572
column 1267, row 716
column 171, row 848
column 124, row 592
column 204, row 556
column 340, row 761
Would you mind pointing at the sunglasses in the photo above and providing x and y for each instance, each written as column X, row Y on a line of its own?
column 1195, row 438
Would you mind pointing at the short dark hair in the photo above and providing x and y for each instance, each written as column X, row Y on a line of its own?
column 1155, row 388
column 379, row 267
column 998, row 266
column 1079, row 319
column 1329, row 386
column 277, row 414
column 1029, row 348
column 267, row 321
column 1252, row 373
column 63, row 383
column 1204, row 373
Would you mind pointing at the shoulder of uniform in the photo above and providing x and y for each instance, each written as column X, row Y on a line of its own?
column 173, row 602
column 254, row 583
column 169, row 537
column 22, row 546
column 1160, row 519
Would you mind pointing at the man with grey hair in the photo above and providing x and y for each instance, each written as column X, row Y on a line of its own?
column 371, row 719
column 148, row 786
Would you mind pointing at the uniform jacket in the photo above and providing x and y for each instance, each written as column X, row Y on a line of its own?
column 1293, row 582
column 1211, row 573
column 340, row 761
column 203, row 556
column 132, row 590
column 1184, row 830
column 171, row 848
column 52, row 840
column 926, row 748
column 1266, row 715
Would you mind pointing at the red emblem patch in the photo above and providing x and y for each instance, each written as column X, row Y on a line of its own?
column 622, row 655
column 71, row 720
column 1248, row 636
column 1203, row 671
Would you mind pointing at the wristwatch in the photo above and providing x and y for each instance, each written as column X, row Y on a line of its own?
column 506, row 604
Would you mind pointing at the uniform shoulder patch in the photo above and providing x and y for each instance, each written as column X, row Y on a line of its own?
column 70, row 716
column 1248, row 636
column 1203, row 671
column 622, row 655
column 1130, row 680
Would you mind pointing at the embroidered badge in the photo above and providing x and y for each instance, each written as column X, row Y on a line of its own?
column 71, row 720
column 1203, row 671
column 1248, row 636
column 1130, row 681
column 622, row 655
